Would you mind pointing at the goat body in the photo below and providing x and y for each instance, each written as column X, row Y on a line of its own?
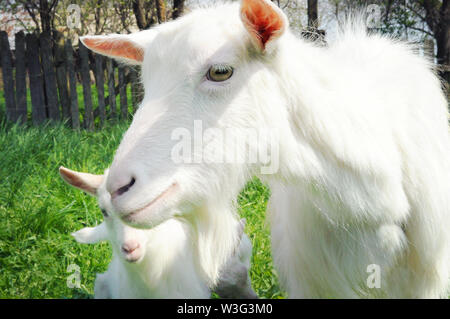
column 362, row 174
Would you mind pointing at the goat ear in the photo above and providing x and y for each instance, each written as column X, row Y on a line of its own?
column 264, row 21
column 88, row 183
column 90, row 235
column 128, row 48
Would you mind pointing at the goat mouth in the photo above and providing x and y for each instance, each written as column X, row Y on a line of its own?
column 132, row 258
column 131, row 216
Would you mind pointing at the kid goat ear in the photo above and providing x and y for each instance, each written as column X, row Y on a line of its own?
column 91, row 235
column 88, row 183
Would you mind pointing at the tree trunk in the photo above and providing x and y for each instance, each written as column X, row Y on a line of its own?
column 139, row 12
column 178, row 7
column 438, row 21
column 98, row 15
column 161, row 10
column 44, row 12
column 443, row 41
column 312, row 32
column 313, row 17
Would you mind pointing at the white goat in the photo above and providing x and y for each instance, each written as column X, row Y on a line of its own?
column 159, row 262
column 363, row 168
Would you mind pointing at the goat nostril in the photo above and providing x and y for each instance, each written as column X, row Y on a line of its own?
column 125, row 188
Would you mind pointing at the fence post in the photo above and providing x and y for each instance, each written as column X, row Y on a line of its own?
column 86, row 81
column 21, row 82
column 8, row 80
column 72, row 85
column 123, row 93
column 49, row 75
column 35, row 76
column 61, row 74
column 111, row 89
column 428, row 48
column 136, row 88
column 100, row 83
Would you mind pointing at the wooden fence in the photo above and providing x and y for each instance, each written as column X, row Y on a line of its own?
column 48, row 69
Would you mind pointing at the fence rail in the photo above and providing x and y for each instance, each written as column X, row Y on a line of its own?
column 49, row 70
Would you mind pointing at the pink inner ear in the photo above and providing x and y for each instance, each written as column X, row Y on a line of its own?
column 261, row 20
column 115, row 47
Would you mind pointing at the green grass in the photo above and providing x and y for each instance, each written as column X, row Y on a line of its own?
column 38, row 211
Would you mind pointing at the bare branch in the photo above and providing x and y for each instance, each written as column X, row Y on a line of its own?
column 421, row 30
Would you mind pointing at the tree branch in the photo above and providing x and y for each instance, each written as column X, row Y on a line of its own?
column 410, row 8
column 421, row 30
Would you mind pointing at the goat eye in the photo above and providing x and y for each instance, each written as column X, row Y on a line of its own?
column 105, row 214
column 219, row 73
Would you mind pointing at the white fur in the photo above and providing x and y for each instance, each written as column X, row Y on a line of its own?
column 166, row 263
column 364, row 172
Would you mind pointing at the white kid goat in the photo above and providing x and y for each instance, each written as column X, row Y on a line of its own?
column 160, row 262
column 361, row 181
